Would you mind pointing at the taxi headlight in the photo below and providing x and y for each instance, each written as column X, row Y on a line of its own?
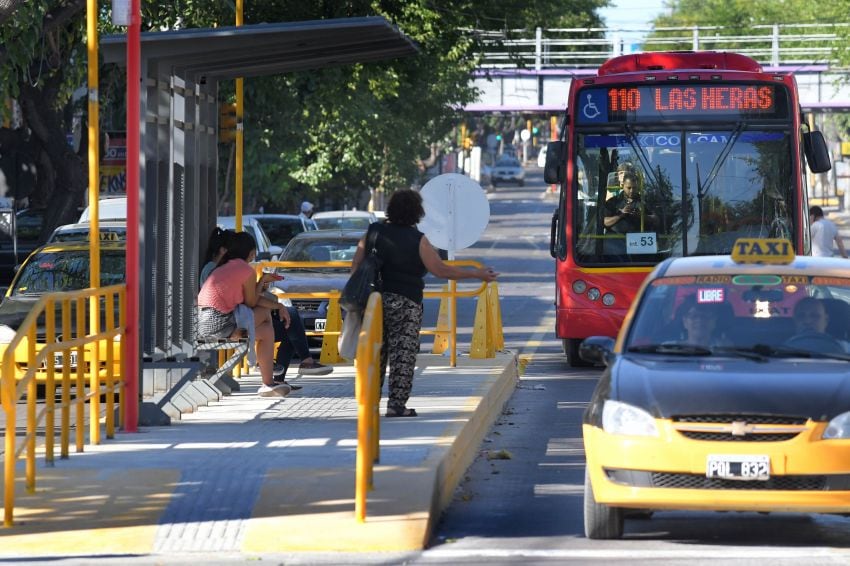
column 620, row 418
column 839, row 427
column 286, row 302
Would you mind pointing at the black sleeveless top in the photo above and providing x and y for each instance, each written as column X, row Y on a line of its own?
column 403, row 272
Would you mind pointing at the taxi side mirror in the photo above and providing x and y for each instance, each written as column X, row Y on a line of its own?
column 555, row 170
column 597, row 349
column 817, row 154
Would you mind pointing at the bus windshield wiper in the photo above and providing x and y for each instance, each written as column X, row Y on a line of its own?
column 674, row 348
column 644, row 159
column 702, row 189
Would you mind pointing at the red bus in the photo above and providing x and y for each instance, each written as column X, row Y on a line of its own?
column 666, row 155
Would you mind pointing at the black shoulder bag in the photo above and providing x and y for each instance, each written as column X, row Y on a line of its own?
column 366, row 279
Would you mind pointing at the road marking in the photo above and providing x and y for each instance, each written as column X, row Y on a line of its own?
column 635, row 554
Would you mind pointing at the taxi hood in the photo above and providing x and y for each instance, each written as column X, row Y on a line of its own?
column 817, row 389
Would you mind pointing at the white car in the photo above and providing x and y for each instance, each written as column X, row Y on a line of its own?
column 114, row 208
column 508, row 170
column 265, row 249
column 344, row 219
column 110, row 230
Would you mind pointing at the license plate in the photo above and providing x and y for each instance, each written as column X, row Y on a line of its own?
column 738, row 467
column 320, row 323
column 58, row 360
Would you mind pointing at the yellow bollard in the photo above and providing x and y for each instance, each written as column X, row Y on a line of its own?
column 495, row 310
column 482, row 343
column 441, row 338
column 330, row 341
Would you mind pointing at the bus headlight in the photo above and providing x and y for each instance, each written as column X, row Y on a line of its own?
column 579, row 286
column 608, row 299
column 593, row 293
column 839, row 427
column 621, row 418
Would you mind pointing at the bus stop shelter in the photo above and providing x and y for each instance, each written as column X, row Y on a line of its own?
column 181, row 71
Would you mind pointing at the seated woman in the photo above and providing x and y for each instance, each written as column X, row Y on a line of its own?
column 232, row 283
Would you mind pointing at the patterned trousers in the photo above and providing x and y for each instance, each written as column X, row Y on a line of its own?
column 402, row 323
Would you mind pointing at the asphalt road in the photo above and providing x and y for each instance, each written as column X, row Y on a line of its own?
column 521, row 500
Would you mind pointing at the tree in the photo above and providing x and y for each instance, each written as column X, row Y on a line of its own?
column 310, row 134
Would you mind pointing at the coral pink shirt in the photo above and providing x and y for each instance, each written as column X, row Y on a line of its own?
column 223, row 288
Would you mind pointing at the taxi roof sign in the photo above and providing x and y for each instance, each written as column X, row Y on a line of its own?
column 763, row 250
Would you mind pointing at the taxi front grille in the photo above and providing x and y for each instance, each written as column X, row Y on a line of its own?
column 728, row 437
column 749, row 419
column 307, row 304
column 779, row 483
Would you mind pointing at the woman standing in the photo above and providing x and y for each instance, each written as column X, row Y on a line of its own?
column 407, row 255
column 232, row 283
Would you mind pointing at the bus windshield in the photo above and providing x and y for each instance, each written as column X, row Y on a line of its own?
column 643, row 193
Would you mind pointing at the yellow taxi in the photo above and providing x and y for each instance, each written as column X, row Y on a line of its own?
column 56, row 267
column 727, row 389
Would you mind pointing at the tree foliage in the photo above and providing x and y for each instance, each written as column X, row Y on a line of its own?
column 323, row 134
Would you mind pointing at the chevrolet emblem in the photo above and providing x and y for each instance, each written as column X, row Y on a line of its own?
column 741, row 428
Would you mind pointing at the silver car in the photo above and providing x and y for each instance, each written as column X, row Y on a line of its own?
column 320, row 245
column 508, row 170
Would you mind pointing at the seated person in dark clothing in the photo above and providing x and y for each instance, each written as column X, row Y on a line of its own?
column 810, row 322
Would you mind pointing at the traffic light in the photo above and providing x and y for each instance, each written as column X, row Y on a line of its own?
column 227, row 122
column 467, row 143
column 498, row 137
column 534, row 131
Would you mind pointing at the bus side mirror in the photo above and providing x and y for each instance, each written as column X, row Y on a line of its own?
column 555, row 170
column 816, row 152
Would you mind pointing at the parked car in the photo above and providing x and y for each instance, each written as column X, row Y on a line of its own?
column 508, row 169
column 281, row 228
column 110, row 230
column 321, row 245
column 344, row 219
column 265, row 249
column 110, row 208
column 59, row 267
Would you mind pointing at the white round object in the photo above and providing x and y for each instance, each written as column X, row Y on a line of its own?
column 456, row 211
column 525, row 135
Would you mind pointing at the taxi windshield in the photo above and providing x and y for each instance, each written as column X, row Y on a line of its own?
column 765, row 314
column 50, row 271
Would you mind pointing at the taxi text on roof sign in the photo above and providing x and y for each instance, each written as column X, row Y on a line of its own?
column 762, row 250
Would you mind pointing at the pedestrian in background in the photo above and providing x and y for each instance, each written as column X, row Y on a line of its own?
column 306, row 209
column 824, row 234
column 407, row 255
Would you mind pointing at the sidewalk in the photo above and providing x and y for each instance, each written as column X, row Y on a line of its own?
column 257, row 475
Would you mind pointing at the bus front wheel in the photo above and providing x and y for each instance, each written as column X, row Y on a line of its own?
column 571, row 346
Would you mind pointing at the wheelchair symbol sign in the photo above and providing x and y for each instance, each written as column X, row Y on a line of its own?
column 592, row 107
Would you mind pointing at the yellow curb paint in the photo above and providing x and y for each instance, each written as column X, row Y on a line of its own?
column 89, row 511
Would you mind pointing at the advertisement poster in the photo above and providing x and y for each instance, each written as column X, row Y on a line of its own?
column 113, row 174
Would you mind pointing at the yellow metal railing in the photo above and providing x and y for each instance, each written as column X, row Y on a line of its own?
column 445, row 333
column 367, row 391
column 29, row 359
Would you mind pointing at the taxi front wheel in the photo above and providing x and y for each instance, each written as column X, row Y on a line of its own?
column 600, row 521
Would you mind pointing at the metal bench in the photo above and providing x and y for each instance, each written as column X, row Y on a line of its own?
column 222, row 374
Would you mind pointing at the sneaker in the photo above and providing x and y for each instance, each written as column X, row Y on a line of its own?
column 278, row 369
column 276, row 390
column 315, row 369
column 291, row 385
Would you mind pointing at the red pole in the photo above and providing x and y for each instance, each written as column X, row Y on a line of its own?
column 131, row 336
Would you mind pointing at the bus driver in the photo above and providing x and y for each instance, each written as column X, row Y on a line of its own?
column 624, row 213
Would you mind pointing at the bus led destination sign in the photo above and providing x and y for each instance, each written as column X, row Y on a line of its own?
column 705, row 98
column 657, row 102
